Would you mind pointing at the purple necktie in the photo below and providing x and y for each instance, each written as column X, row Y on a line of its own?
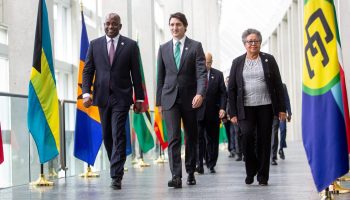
column 111, row 52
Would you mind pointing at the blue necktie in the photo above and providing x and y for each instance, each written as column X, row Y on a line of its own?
column 177, row 54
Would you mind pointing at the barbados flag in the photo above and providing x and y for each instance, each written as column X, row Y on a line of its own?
column 43, row 111
column 324, row 108
column 88, row 131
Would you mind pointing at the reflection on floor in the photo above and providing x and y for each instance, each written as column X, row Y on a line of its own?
column 290, row 179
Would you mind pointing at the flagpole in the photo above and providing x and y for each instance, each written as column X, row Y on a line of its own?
column 142, row 163
column 42, row 181
column 161, row 159
column 89, row 173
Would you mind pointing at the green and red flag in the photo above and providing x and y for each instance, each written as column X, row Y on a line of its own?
column 142, row 124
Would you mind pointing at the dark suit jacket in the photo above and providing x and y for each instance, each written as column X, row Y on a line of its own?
column 184, row 83
column 286, row 100
column 215, row 98
column 118, row 78
column 272, row 78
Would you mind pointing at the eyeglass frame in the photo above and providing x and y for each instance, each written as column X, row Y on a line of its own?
column 252, row 42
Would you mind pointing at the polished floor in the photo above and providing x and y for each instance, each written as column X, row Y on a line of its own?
column 290, row 179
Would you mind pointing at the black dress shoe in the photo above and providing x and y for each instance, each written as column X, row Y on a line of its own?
column 232, row 155
column 199, row 170
column 281, row 153
column 273, row 162
column 191, row 180
column 212, row 170
column 175, row 182
column 239, row 158
column 249, row 180
column 263, row 183
column 116, row 183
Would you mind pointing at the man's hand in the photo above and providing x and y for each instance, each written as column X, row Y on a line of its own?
column 289, row 118
column 234, row 120
column 138, row 107
column 222, row 113
column 282, row 116
column 87, row 101
column 197, row 101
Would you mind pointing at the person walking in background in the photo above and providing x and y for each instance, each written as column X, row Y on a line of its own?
column 255, row 96
column 229, row 128
column 181, row 86
column 113, row 61
column 282, row 125
column 209, row 116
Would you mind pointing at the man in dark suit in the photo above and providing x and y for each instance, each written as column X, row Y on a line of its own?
column 209, row 116
column 282, row 125
column 180, row 91
column 113, row 60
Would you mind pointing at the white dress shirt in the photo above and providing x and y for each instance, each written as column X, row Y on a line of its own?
column 182, row 41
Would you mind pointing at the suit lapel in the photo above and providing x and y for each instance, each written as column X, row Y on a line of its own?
column 104, row 48
column 187, row 46
column 170, row 49
column 240, row 68
column 265, row 63
column 120, row 47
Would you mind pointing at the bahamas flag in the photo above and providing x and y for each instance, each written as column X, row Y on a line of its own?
column 88, row 131
column 160, row 128
column 43, row 112
column 142, row 121
column 324, row 111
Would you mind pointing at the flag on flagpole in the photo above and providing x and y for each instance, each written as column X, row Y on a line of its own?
column 1, row 148
column 142, row 122
column 88, row 131
column 222, row 134
column 324, row 109
column 160, row 128
column 43, row 110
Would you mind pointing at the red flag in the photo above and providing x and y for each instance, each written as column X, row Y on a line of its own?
column 1, row 149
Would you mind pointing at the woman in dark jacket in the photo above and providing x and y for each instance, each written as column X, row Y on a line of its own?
column 255, row 96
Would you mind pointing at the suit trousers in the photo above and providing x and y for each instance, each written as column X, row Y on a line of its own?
column 172, row 119
column 256, row 140
column 208, row 136
column 283, row 131
column 230, row 133
column 238, row 139
column 274, row 138
column 113, row 119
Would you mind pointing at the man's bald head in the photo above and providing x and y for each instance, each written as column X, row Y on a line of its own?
column 208, row 60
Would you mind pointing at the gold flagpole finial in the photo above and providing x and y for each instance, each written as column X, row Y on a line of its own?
column 81, row 6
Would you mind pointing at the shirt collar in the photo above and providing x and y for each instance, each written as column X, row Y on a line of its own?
column 182, row 40
column 116, row 38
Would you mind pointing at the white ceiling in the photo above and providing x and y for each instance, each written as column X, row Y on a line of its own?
column 239, row 15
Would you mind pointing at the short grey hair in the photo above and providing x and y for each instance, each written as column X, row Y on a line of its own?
column 251, row 31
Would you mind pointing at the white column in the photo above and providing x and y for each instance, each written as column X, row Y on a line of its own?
column 144, row 30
